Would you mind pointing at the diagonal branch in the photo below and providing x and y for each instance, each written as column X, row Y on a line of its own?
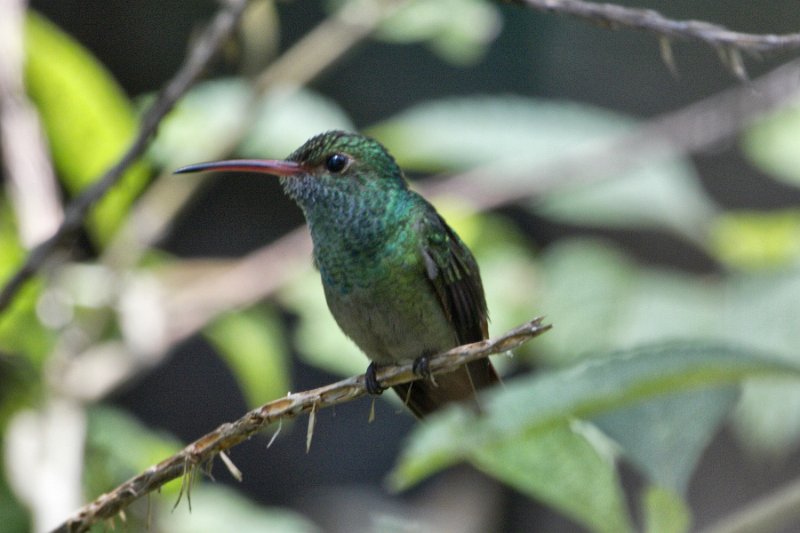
column 199, row 57
column 204, row 449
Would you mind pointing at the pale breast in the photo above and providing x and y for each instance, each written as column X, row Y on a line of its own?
column 393, row 317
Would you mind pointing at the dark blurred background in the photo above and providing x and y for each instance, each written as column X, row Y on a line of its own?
column 143, row 43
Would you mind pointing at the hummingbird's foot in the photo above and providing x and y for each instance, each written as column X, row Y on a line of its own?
column 371, row 380
column 422, row 368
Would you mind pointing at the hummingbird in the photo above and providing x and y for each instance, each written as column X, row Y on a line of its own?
column 397, row 279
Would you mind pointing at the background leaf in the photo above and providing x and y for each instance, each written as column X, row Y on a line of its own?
column 624, row 378
column 120, row 446
column 592, row 287
column 288, row 116
column 538, row 406
column 14, row 515
column 619, row 379
column 665, row 436
column 458, row 30
column 561, row 467
column 556, row 464
column 21, row 332
column 761, row 311
column 773, row 144
column 224, row 509
column 664, row 511
column 507, row 137
column 251, row 343
column 202, row 121
column 753, row 240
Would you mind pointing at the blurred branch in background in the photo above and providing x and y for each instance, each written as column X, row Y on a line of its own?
column 201, row 452
column 198, row 59
column 32, row 184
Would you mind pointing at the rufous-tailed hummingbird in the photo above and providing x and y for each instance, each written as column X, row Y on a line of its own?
column 397, row 278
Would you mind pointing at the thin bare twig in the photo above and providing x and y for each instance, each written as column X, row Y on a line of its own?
column 199, row 57
column 204, row 449
column 32, row 187
column 616, row 16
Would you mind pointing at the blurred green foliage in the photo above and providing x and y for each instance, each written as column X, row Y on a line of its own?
column 224, row 509
column 660, row 436
column 457, row 30
column 81, row 105
column 251, row 343
column 644, row 363
column 772, row 144
column 119, row 447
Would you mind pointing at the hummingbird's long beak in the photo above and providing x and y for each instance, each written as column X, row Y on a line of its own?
column 276, row 167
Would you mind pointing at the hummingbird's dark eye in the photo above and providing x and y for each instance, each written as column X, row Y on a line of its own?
column 336, row 162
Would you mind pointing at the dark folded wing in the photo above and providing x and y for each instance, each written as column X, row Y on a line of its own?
column 455, row 278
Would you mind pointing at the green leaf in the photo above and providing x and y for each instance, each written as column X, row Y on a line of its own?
column 286, row 118
column 510, row 133
column 591, row 287
column 119, row 446
column 214, row 112
column 16, row 518
column 664, row 195
column 508, row 136
column 585, row 288
column 765, row 420
column 251, row 343
column 535, row 405
column 626, row 377
column 11, row 250
column 773, row 144
column 458, row 30
column 561, row 467
column 21, row 331
column 219, row 508
column 443, row 441
column 88, row 119
column 664, row 511
column 665, row 436
column 564, row 465
column 752, row 240
column 208, row 117
column 762, row 311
